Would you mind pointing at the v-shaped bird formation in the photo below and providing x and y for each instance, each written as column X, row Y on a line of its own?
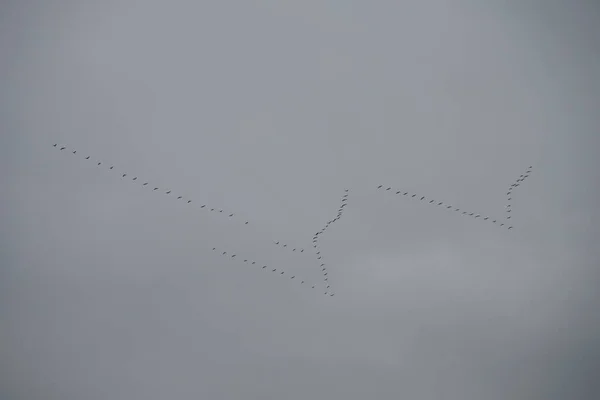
column 134, row 179
column 319, row 234
column 458, row 210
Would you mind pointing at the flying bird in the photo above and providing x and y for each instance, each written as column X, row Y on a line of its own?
column 55, row 144
column 378, row 187
column 74, row 151
column 231, row 215
column 87, row 158
column 168, row 192
column 124, row 175
column 134, row 178
column 62, row 148
column 155, row 188
column 413, row 195
column 180, row 197
column 189, row 201
column 145, row 183
column 99, row 163
column 422, row 198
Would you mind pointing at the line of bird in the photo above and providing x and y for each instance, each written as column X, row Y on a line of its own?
column 224, row 253
column 266, row 268
column 457, row 209
column 319, row 234
column 147, row 184
column 512, row 187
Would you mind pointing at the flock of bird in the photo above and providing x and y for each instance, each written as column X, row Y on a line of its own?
column 134, row 178
column 512, row 187
column 124, row 175
column 319, row 234
column 315, row 239
column 452, row 208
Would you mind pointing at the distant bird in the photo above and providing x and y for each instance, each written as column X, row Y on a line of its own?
column 212, row 209
column 422, row 198
column 112, row 166
column 168, row 192
column 449, row 207
column 276, row 242
column 302, row 282
column 155, row 188
column 220, row 211
column 464, row 212
column 431, row 201
column 398, row 192
column 62, row 148
column 510, row 227
column 214, row 248
column 486, row 218
column 253, row 262
column 313, row 287
column 245, row 260
column 189, row 201
column 301, row 250
column 145, row 183
column 74, row 151
column 134, row 178
column 55, row 144
column 231, row 215
column 501, row 224
column 124, row 175
column 282, row 272
column 264, row 266
column 440, row 203
column 413, row 195
column 456, row 209
column 99, row 163
column 293, row 277
column 388, row 188
column 378, row 187
column 285, row 245
column 204, row 205
column 246, row 223
column 477, row 216
column 274, row 270
column 224, row 252
column 180, row 197
column 87, row 158
column 471, row 214
column 293, row 249
column 233, row 256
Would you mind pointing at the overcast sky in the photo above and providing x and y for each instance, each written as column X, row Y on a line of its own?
column 269, row 110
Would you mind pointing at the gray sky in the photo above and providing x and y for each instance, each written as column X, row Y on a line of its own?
column 270, row 109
